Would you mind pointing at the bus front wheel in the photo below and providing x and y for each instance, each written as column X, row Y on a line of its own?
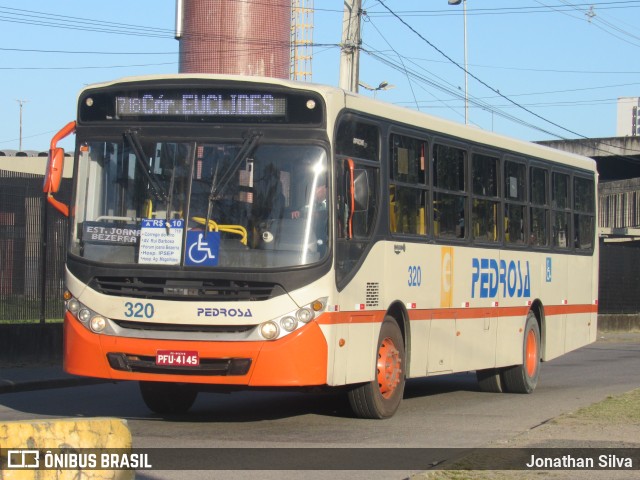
column 524, row 378
column 381, row 397
column 168, row 398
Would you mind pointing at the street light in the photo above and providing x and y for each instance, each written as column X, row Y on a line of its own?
column 21, row 103
column 384, row 85
column 466, row 87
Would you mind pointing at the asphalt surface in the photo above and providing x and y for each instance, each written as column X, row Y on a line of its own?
column 39, row 377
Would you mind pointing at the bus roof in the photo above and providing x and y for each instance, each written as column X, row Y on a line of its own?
column 339, row 99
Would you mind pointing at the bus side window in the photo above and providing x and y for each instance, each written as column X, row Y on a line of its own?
column 486, row 203
column 584, row 212
column 539, row 218
column 450, row 206
column 515, row 198
column 408, row 185
column 560, row 216
column 357, row 150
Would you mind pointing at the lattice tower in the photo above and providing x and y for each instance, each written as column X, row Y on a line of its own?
column 301, row 39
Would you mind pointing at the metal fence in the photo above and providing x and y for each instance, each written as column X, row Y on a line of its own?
column 619, row 203
column 33, row 243
column 619, row 286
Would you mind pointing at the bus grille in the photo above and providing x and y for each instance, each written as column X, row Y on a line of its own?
column 174, row 327
column 178, row 289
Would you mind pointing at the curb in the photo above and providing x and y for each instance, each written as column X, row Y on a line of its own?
column 31, row 436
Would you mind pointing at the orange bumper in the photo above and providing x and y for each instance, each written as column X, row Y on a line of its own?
column 299, row 359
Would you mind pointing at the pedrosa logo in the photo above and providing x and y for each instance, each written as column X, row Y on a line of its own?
column 491, row 277
column 224, row 312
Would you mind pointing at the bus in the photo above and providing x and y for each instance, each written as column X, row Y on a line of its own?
column 233, row 232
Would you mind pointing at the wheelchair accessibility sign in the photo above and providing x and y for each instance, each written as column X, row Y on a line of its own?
column 202, row 251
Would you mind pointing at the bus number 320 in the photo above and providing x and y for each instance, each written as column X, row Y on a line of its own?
column 138, row 310
column 415, row 276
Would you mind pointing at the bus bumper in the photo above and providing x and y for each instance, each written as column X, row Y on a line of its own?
column 299, row 359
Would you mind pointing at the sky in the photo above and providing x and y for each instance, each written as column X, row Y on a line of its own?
column 537, row 69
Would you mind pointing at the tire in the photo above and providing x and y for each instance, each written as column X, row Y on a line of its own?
column 168, row 398
column 524, row 378
column 381, row 397
column 490, row 380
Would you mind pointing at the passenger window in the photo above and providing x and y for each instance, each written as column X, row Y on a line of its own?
column 560, row 216
column 407, row 186
column 450, row 192
column 584, row 212
column 514, row 194
column 514, row 176
column 485, row 210
column 539, row 219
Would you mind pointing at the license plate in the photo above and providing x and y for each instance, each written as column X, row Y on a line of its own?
column 181, row 359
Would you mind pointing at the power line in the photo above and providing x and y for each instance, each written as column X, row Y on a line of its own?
column 509, row 10
column 478, row 79
column 499, row 112
column 530, row 69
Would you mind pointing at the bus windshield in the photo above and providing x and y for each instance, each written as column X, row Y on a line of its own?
column 251, row 203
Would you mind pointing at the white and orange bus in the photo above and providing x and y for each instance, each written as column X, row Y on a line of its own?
column 240, row 232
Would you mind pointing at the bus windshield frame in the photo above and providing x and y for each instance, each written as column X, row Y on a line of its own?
column 255, row 190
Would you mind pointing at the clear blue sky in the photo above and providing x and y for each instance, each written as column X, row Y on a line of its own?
column 560, row 69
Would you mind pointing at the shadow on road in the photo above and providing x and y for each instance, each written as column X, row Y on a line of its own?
column 122, row 399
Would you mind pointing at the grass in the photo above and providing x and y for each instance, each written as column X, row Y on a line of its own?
column 26, row 322
column 623, row 408
column 614, row 410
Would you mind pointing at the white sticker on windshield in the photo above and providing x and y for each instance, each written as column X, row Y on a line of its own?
column 160, row 245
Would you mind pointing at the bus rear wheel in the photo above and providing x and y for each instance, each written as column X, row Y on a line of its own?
column 490, row 380
column 168, row 398
column 524, row 378
column 381, row 397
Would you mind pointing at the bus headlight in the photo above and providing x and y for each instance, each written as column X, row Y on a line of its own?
column 98, row 323
column 289, row 323
column 84, row 315
column 305, row 315
column 269, row 330
column 73, row 306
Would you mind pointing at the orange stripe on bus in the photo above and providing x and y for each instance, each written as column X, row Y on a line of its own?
column 377, row 316
column 568, row 309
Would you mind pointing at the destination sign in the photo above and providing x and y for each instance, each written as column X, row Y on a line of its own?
column 203, row 104
column 193, row 101
column 108, row 233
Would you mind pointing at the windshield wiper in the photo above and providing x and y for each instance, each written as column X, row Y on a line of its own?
column 131, row 136
column 217, row 188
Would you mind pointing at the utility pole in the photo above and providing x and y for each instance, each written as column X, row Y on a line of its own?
column 466, row 63
column 21, row 103
column 350, row 46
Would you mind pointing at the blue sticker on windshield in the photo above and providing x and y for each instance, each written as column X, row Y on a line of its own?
column 201, row 250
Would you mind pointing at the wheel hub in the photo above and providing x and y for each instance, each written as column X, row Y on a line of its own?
column 389, row 367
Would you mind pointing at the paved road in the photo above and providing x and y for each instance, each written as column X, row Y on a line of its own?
column 446, row 411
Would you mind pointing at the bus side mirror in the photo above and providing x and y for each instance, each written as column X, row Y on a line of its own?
column 55, row 164
column 53, row 174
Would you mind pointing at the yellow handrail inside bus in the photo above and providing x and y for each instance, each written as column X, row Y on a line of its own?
column 215, row 227
column 147, row 208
